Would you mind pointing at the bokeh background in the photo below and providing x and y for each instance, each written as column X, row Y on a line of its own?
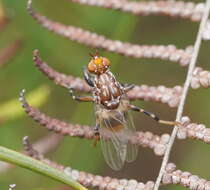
column 69, row 57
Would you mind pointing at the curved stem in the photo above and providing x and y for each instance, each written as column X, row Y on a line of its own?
column 37, row 166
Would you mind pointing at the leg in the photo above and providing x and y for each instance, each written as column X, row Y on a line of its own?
column 96, row 134
column 128, row 87
column 81, row 98
column 88, row 78
column 153, row 116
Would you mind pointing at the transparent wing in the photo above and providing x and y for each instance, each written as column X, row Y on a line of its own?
column 129, row 128
column 117, row 128
column 113, row 147
column 132, row 149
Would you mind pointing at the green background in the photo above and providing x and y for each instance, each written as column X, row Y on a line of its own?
column 69, row 57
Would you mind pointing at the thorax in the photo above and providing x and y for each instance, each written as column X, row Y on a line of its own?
column 107, row 91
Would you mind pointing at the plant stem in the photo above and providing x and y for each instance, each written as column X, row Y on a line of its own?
column 37, row 166
column 185, row 91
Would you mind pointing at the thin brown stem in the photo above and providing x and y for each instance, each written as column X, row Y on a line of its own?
column 180, row 9
column 164, row 52
column 43, row 145
column 171, row 176
column 145, row 139
column 170, row 96
column 7, row 53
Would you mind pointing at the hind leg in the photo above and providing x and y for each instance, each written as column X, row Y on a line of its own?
column 153, row 116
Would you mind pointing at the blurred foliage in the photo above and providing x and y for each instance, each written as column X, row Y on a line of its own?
column 12, row 110
column 1, row 12
column 69, row 57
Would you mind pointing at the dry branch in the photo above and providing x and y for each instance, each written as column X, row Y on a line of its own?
column 144, row 139
column 170, row 96
column 200, row 78
column 37, row 166
column 60, row 78
column 43, row 145
column 180, row 9
column 186, row 179
column 193, row 131
column 143, row 92
column 186, row 86
column 169, row 52
column 171, row 176
column 88, row 179
column 8, row 52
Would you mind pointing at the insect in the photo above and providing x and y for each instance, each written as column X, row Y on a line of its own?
column 114, row 124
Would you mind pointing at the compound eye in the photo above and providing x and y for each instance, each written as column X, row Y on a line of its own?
column 98, row 65
column 106, row 62
column 92, row 67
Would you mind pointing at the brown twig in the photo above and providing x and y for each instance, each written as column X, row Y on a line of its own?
column 144, row 139
column 169, row 52
column 170, row 96
column 59, row 78
column 186, row 179
column 143, row 92
column 181, row 9
column 185, row 91
column 90, row 180
column 43, row 145
column 200, row 77
column 170, row 176
column 193, row 130
column 8, row 52
column 30, row 150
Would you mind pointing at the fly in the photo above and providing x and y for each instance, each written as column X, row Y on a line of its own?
column 114, row 123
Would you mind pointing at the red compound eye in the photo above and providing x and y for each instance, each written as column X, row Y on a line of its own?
column 98, row 65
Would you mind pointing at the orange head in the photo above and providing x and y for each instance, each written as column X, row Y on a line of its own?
column 98, row 65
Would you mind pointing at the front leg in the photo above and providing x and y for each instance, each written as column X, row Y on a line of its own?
column 153, row 116
column 128, row 87
column 80, row 98
column 88, row 78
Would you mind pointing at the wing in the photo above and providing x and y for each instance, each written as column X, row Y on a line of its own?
column 114, row 132
column 132, row 149
column 113, row 148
